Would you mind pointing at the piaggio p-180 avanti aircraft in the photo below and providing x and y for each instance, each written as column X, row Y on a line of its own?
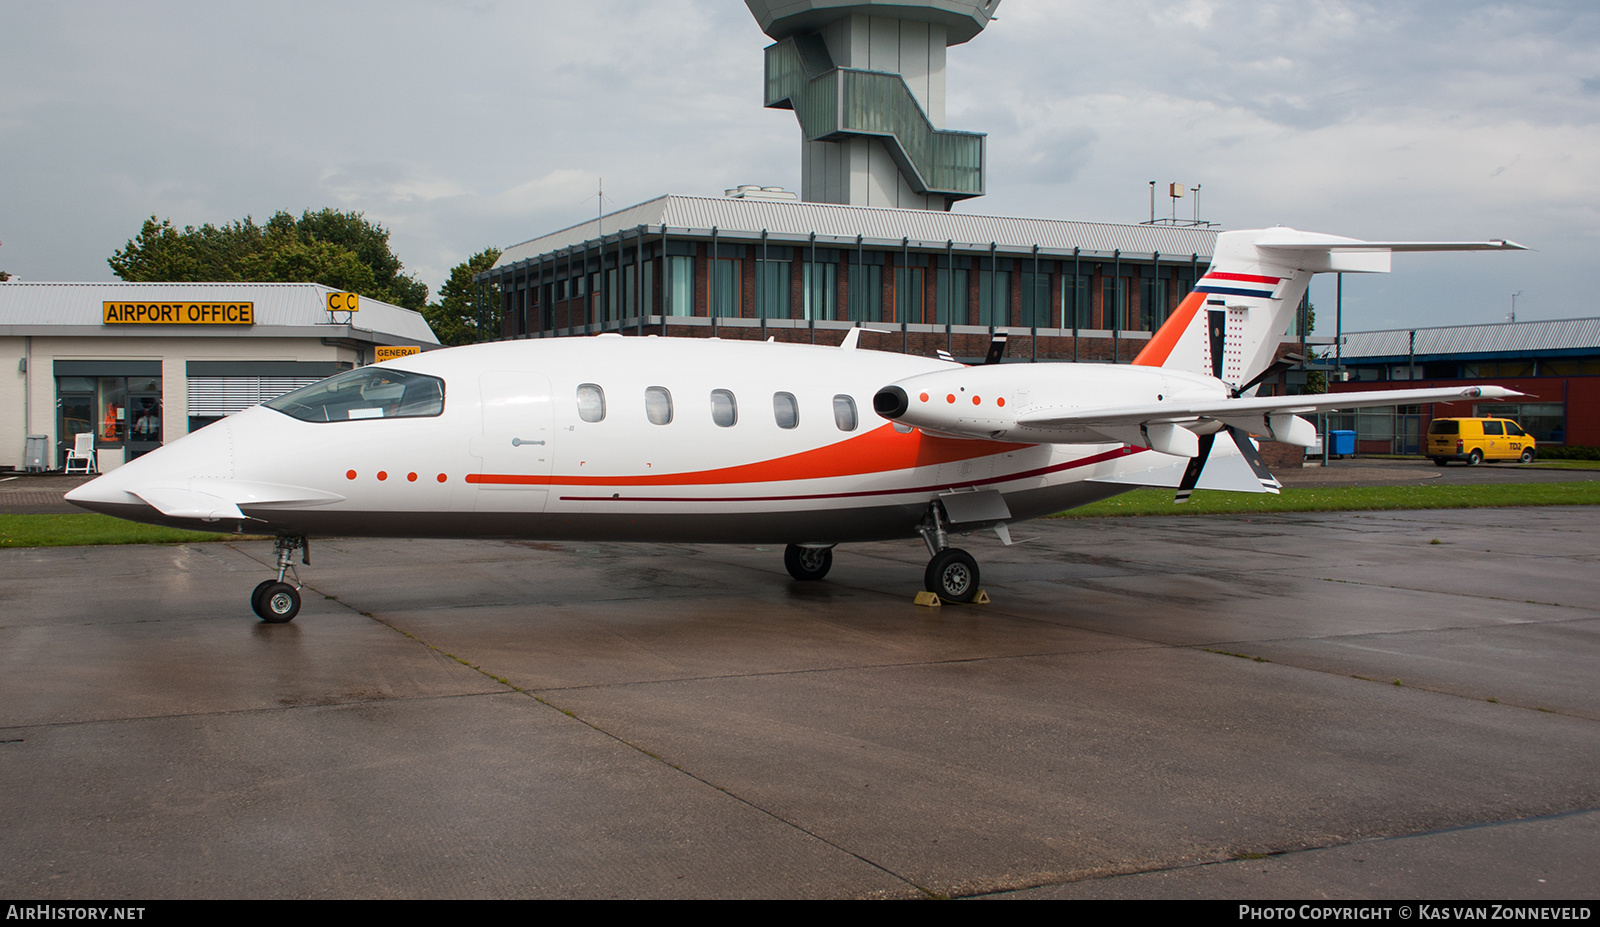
column 696, row 440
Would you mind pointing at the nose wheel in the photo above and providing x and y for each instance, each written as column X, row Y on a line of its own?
column 274, row 600
column 807, row 563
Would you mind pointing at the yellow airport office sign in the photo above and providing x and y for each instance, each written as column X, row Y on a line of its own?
column 344, row 302
column 382, row 354
column 131, row 313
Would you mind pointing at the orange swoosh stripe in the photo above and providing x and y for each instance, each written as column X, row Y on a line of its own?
column 1159, row 348
column 881, row 450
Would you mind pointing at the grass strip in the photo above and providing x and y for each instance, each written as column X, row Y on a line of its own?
column 1344, row 499
column 91, row 528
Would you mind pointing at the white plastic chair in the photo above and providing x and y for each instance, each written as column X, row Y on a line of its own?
column 82, row 454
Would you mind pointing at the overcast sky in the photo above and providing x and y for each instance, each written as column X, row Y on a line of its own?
column 459, row 125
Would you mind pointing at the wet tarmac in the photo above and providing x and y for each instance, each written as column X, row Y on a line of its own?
column 1395, row 705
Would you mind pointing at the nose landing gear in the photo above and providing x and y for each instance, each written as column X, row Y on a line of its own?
column 807, row 563
column 274, row 600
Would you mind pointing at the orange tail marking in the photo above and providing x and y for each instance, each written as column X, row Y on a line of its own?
column 1160, row 347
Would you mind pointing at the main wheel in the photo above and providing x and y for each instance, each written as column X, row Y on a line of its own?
column 952, row 574
column 1440, row 462
column 276, row 602
column 255, row 595
column 807, row 563
column 1475, row 458
column 1527, row 455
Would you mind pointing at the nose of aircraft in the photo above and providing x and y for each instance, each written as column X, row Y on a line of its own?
column 98, row 493
column 207, row 453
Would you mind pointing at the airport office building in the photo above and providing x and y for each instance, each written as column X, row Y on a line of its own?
column 141, row 364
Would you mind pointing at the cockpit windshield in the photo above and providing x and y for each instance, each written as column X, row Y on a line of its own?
column 366, row 392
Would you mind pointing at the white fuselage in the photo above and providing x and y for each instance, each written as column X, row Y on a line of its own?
column 766, row 443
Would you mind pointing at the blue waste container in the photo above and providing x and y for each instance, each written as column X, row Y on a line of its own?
column 1341, row 443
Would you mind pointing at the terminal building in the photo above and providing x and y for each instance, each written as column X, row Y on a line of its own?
column 754, row 266
column 870, row 238
column 136, row 365
column 1556, row 363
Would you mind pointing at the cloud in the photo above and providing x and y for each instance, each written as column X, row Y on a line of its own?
column 464, row 124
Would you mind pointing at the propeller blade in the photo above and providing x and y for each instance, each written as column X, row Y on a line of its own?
column 1252, row 456
column 1247, row 448
column 1191, row 473
column 1286, row 362
column 997, row 348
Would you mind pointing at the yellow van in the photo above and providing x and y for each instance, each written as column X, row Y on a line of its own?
column 1478, row 439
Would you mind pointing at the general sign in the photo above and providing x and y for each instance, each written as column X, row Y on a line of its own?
column 120, row 313
column 382, row 354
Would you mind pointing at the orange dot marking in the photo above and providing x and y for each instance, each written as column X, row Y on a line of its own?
column 349, row 474
column 442, row 477
column 383, row 475
column 412, row 477
column 924, row 397
column 950, row 398
column 977, row 400
column 1000, row 402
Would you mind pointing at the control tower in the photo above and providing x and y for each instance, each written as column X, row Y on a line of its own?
column 866, row 79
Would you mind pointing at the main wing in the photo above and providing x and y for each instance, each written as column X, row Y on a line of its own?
column 1273, row 417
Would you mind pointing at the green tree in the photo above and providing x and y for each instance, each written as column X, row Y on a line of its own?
column 1316, row 380
column 337, row 249
column 455, row 318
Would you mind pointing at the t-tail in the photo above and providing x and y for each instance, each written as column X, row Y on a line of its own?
column 1232, row 323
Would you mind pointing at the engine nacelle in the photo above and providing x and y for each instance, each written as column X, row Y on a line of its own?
column 1006, row 402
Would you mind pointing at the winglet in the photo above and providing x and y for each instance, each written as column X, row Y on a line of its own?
column 851, row 339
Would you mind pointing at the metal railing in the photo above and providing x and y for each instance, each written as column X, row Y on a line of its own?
column 842, row 102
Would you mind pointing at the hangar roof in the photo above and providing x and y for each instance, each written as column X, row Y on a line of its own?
column 835, row 225
column 1501, row 339
column 293, row 310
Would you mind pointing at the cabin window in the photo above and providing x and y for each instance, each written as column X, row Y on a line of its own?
column 724, row 408
column 366, row 392
column 844, row 413
column 785, row 410
column 658, row 405
column 591, row 402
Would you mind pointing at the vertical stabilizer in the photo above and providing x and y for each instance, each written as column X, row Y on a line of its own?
column 1231, row 324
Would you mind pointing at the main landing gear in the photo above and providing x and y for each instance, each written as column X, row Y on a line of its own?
column 952, row 574
column 274, row 600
